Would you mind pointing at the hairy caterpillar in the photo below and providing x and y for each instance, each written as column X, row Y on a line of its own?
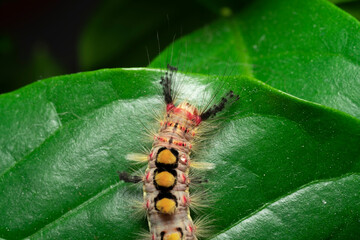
column 166, row 180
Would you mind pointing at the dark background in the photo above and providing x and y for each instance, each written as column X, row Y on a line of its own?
column 40, row 39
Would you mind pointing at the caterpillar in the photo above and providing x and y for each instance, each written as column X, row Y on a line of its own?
column 166, row 179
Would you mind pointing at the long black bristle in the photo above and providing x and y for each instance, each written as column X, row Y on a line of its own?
column 212, row 111
column 166, row 82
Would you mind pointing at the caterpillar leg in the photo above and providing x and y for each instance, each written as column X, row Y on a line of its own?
column 198, row 180
column 126, row 177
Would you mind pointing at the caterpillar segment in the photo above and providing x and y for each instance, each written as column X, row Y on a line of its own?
column 166, row 183
column 166, row 180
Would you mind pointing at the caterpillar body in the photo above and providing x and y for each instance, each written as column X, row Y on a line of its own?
column 166, row 180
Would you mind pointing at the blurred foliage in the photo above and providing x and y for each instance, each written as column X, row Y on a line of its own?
column 61, row 37
column 342, row 1
column 352, row 7
column 16, row 73
column 119, row 32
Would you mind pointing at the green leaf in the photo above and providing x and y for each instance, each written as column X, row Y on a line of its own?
column 351, row 7
column 319, row 197
column 286, row 167
column 310, row 49
column 67, row 187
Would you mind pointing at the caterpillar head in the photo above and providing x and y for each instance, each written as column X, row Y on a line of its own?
column 186, row 111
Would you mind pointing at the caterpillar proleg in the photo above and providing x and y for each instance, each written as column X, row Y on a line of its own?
column 166, row 180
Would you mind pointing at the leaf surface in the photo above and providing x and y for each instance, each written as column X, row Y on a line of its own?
column 287, row 167
column 310, row 49
column 270, row 144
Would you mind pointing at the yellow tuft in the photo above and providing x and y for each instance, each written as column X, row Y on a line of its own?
column 166, row 157
column 173, row 236
column 204, row 227
column 164, row 179
column 166, row 206
column 200, row 201
column 137, row 157
column 202, row 165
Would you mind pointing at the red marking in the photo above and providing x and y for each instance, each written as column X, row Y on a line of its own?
column 192, row 117
column 147, row 204
column 185, row 200
column 190, row 228
column 177, row 110
column 169, row 107
column 153, row 237
column 197, row 120
column 183, row 178
column 183, row 159
column 151, row 154
column 189, row 116
column 147, row 176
